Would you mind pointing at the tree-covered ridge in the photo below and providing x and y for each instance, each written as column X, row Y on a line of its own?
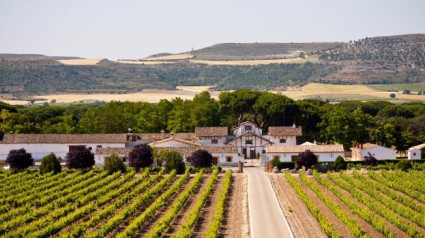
column 406, row 50
column 347, row 123
column 34, row 77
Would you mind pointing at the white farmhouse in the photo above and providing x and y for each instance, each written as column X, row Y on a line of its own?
column 40, row 145
column 415, row 152
column 379, row 152
column 289, row 153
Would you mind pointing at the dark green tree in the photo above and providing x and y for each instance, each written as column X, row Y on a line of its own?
column 201, row 159
column 19, row 159
column 80, row 158
column 174, row 160
column 50, row 163
column 114, row 163
column 339, row 164
column 306, row 159
column 141, row 157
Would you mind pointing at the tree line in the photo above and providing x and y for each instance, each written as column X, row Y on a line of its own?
column 348, row 123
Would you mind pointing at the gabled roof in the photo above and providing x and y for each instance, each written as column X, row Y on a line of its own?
column 211, row 131
column 368, row 146
column 285, row 131
column 63, row 138
column 190, row 143
column 417, row 147
column 301, row 148
column 249, row 134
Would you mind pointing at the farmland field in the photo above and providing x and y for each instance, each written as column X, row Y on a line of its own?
column 354, row 204
column 95, row 204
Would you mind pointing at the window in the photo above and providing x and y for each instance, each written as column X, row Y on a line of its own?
column 215, row 160
column 276, row 157
column 414, row 154
column 248, row 128
column 263, row 151
column 282, row 140
column 214, row 141
column 188, row 159
column 98, row 146
column 229, row 158
column 248, row 142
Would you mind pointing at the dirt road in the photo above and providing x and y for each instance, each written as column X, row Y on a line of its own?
column 266, row 216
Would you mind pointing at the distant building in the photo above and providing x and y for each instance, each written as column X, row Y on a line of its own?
column 379, row 152
column 415, row 152
column 289, row 153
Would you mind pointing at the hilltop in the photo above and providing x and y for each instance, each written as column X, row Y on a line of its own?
column 260, row 66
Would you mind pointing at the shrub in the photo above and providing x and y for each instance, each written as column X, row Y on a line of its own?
column 173, row 160
column 275, row 162
column 307, row 159
column 81, row 158
column 141, row 157
column 201, row 159
column 50, row 163
column 19, row 159
column 370, row 160
column 114, row 163
column 392, row 95
column 404, row 165
column 339, row 164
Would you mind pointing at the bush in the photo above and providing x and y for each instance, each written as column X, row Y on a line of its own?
column 370, row 160
column 114, row 163
column 392, row 95
column 339, row 164
column 307, row 159
column 50, row 163
column 81, row 158
column 173, row 160
column 19, row 159
column 141, row 157
column 404, row 165
column 201, row 159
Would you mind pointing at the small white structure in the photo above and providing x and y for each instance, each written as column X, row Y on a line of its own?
column 379, row 152
column 415, row 152
column 289, row 153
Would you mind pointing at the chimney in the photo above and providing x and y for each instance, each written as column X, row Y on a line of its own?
column 154, row 139
column 315, row 142
column 361, row 146
column 294, row 126
column 162, row 134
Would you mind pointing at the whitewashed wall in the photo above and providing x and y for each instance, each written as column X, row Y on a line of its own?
column 380, row 153
column 207, row 141
column 322, row 157
column 290, row 140
column 38, row 151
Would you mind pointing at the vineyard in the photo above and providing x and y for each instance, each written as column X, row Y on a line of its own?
column 372, row 204
column 95, row 204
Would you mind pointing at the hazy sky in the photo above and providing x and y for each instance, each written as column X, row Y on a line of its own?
column 138, row 28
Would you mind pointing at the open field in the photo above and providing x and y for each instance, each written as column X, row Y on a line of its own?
column 257, row 62
column 80, row 61
column 170, row 57
column 313, row 90
column 354, row 204
column 413, row 87
column 95, row 204
column 144, row 62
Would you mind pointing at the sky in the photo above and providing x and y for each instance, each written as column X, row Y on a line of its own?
column 134, row 29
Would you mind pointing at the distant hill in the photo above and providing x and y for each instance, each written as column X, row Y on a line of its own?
column 247, row 51
column 33, row 57
column 377, row 60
